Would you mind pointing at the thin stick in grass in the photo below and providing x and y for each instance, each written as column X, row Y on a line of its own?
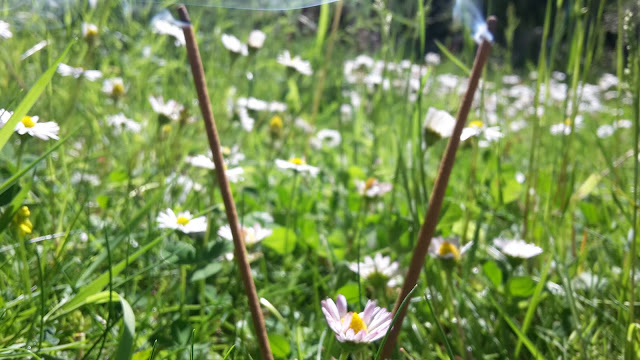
column 223, row 182
column 435, row 204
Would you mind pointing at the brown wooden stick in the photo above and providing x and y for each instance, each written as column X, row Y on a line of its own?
column 439, row 188
column 230, row 207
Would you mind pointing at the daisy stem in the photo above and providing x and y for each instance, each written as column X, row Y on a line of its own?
column 294, row 188
column 435, row 203
column 450, row 285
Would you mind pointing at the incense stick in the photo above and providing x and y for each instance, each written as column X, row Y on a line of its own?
column 230, row 207
column 435, row 203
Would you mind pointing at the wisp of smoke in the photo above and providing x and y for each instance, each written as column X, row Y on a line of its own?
column 468, row 14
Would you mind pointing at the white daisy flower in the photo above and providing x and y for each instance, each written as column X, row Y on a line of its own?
column 448, row 249
column 604, row 131
column 184, row 222
column 276, row 106
column 365, row 327
column 76, row 72
column 297, row 164
column 301, row 124
column 163, row 23
column 378, row 267
column 432, row 59
column 510, row 79
column 477, row 128
column 5, row 32
column 250, row 235
column 121, row 122
column 114, row 87
column 517, row 248
column 326, row 137
column 372, row 187
column 203, row 161
column 171, row 109
column 439, row 122
column 246, row 120
column 296, row 63
column 607, row 81
column 89, row 31
column 256, row 39
column 623, row 124
column 564, row 128
column 30, row 125
column 234, row 45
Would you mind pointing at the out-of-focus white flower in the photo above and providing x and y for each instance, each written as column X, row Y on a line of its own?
column 76, row 72
column 297, row 164
column 607, row 81
column 89, row 31
column 558, row 76
column 517, row 248
column 432, row 59
column 163, row 23
column 296, row 63
column 256, row 39
column 439, row 123
column 34, row 49
column 246, row 120
column 520, row 178
column 30, row 125
column 564, row 128
column 114, row 87
column 184, row 222
column 250, row 235
column 448, row 249
column 477, row 128
column 372, row 187
column 234, row 174
column 510, row 79
column 378, row 268
column 351, row 327
column 171, row 109
column 5, row 31
column 623, row 124
column 121, row 122
column 326, row 137
column 276, row 106
column 234, row 45
column 604, row 131
column 79, row 177
column 301, row 124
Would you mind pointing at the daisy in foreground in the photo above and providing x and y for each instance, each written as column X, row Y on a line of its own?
column 251, row 235
column 447, row 249
column 297, row 164
column 372, row 187
column 30, row 125
column 184, row 222
column 352, row 327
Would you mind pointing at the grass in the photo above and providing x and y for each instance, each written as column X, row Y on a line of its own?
column 97, row 277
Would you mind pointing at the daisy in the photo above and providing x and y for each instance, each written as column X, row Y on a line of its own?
column 275, row 125
column 250, row 235
column 432, row 59
column 298, row 165
column 276, row 106
column 114, row 87
column 296, row 63
column 447, row 249
column 438, row 123
column 234, row 45
column 351, row 327
column 378, row 268
column 372, row 187
column 564, row 128
column 203, row 161
column 516, row 248
column 256, row 39
column 326, row 137
column 121, row 122
column 478, row 128
column 76, row 72
column 89, row 31
column 246, row 121
column 184, row 222
column 30, row 125
column 171, row 109
column 163, row 23
column 5, row 32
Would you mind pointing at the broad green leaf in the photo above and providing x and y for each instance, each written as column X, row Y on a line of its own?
column 279, row 345
column 282, row 240
column 493, row 272
column 209, row 270
column 522, row 286
column 126, row 341
column 30, row 99
column 350, row 291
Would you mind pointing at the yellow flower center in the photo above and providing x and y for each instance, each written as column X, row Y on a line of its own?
column 248, row 236
column 357, row 324
column 369, row 183
column 448, row 248
column 226, row 151
column 182, row 220
column 118, row 89
column 91, row 32
column 166, row 129
column 567, row 122
column 27, row 122
column 476, row 123
column 297, row 161
column 275, row 123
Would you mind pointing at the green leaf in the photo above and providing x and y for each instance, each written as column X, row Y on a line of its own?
column 118, row 176
column 279, row 345
column 30, row 99
column 178, row 252
column 522, row 286
column 126, row 341
column 350, row 291
column 209, row 270
column 522, row 337
column 282, row 241
column 493, row 272
column 103, row 201
column 452, row 57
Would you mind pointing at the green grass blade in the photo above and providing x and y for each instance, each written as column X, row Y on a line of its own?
column 453, row 58
column 323, row 26
column 126, row 341
column 440, row 329
column 30, row 99
column 404, row 303
column 535, row 300
column 521, row 336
